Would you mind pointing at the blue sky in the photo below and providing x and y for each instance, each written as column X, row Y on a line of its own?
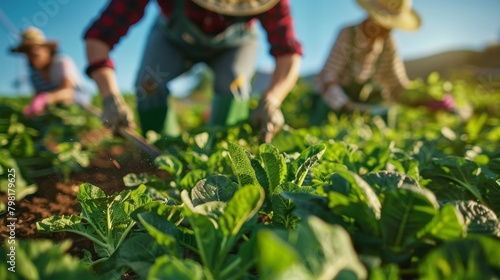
column 447, row 24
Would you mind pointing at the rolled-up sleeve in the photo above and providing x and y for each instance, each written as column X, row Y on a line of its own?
column 336, row 63
column 115, row 21
column 278, row 24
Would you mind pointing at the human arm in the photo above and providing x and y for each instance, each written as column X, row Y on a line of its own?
column 335, row 67
column 284, row 77
column 64, row 93
column 278, row 24
column 268, row 115
column 336, row 64
column 115, row 113
column 393, row 72
column 100, row 38
column 63, row 69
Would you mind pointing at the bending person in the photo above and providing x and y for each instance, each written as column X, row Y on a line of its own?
column 220, row 33
column 363, row 67
column 53, row 76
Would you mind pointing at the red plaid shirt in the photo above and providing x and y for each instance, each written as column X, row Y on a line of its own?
column 116, row 19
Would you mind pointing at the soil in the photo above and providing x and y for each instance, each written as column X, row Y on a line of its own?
column 56, row 197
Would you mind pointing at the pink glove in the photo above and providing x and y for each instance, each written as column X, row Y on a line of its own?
column 447, row 103
column 37, row 105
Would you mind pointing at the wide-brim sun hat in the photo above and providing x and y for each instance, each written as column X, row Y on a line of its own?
column 237, row 7
column 393, row 13
column 33, row 36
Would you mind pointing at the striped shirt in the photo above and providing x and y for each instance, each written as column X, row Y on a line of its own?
column 377, row 61
column 62, row 68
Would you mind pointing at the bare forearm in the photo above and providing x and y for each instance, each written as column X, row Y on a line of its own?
column 105, row 78
column 62, row 95
column 284, row 77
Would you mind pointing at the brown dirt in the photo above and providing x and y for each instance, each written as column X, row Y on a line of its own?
column 57, row 197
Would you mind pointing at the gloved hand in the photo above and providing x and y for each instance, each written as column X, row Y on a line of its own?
column 116, row 114
column 335, row 97
column 447, row 103
column 37, row 105
column 268, row 118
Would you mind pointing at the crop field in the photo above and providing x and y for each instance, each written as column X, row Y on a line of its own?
column 414, row 197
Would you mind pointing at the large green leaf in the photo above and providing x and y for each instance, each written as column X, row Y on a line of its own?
column 274, row 165
column 163, row 231
column 88, row 192
column 312, row 205
column 494, row 165
column 472, row 258
column 327, row 251
column 283, row 207
column 404, row 213
column 213, row 188
column 363, row 205
column 447, row 224
column 384, row 181
column 316, row 251
column 167, row 267
column 72, row 223
column 388, row 272
column 104, row 219
column 478, row 218
column 454, row 172
column 21, row 185
column 205, row 231
column 492, row 188
column 241, row 165
column 137, row 253
column 169, row 163
column 298, row 168
column 261, row 175
column 276, row 259
column 42, row 259
column 404, row 163
column 171, row 213
column 192, row 177
column 245, row 203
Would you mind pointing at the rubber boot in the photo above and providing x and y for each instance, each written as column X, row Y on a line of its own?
column 319, row 113
column 226, row 110
column 153, row 119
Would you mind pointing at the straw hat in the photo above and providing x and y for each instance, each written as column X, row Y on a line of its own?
column 392, row 13
column 237, row 7
column 33, row 36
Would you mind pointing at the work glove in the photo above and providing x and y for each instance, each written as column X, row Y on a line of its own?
column 36, row 106
column 268, row 118
column 447, row 103
column 116, row 113
column 335, row 97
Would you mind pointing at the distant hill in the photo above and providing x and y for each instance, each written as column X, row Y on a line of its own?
column 447, row 63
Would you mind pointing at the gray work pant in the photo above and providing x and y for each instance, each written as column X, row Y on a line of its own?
column 163, row 61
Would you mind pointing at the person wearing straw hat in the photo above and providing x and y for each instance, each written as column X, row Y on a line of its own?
column 364, row 71
column 53, row 76
column 220, row 33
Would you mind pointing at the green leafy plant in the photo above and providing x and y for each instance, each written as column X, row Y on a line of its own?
column 105, row 220
column 42, row 259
